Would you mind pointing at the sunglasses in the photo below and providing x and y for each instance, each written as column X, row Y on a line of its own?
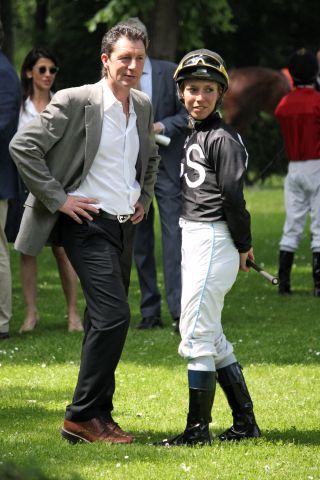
column 52, row 70
column 205, row 60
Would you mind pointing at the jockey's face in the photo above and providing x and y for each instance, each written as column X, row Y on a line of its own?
column 200, row 97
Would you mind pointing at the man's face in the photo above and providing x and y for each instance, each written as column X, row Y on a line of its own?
column 125, row 64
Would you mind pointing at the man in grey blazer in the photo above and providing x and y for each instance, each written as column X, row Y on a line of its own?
column 171, row 120
column 90, row 161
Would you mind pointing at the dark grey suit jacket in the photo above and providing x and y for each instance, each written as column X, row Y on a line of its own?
column 168, row 110
column 10, row 102
column 54, row 152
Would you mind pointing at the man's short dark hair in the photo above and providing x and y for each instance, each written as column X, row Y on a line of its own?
column 122, row 30
column 136, row 22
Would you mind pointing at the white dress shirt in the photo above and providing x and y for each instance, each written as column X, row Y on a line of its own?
column 28, row 113
column 146, row 83
column 146, row 78
column 112, row 175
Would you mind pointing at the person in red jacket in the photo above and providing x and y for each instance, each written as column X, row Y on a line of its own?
column 298, row 114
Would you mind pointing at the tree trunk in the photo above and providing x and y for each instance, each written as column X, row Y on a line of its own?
column 6, row 18
column 163, row 30
column 40, row 23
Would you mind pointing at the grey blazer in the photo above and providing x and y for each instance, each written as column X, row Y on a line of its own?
column 54, row 152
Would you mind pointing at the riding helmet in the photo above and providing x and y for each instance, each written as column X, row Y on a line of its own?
column 303, row 67
column 202, row 64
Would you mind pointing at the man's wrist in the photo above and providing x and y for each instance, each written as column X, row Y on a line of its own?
column 163, row 128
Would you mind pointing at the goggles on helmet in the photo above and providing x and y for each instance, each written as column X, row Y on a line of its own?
column 201, row 60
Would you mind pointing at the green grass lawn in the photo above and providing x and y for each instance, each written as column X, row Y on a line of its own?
column 276, row 340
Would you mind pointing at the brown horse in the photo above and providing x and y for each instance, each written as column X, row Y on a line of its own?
column 252, row 90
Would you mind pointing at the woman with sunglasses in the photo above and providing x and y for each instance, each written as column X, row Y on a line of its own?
column 216, row 242
column 38, row 73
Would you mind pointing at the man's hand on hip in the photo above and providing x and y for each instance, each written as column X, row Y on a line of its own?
column 138, row 215
column 77, row 207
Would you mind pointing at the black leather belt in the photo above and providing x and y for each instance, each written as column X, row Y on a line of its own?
column 110, row 216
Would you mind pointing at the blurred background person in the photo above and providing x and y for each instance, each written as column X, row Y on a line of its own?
column 38, row 73
column 318, row 76
column 170, row 120
column 10, row 100
column 298, row 114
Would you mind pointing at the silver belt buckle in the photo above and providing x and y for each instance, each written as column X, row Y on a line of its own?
column 123, row 218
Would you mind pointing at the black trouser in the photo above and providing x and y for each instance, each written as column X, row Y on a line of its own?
column 100, row 253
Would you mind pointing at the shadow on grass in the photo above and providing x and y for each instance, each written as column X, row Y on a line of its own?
column 47, row 425
column 292, row 435
column 11, row 471
column 285, row 437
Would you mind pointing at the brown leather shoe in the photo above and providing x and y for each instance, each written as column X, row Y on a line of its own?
column 94, row 430
column 112, row 425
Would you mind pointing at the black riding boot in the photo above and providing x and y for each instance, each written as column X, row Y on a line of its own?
column 316, row 273
column 285, row 265
column 234, row 386
column 199, row 417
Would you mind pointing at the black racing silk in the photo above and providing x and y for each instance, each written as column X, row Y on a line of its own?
column 212, row 174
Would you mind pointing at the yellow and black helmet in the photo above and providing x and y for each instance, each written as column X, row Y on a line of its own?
column 202, row 64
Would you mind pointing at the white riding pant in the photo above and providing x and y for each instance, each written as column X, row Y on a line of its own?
column 302, row 196
column 210, row 263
